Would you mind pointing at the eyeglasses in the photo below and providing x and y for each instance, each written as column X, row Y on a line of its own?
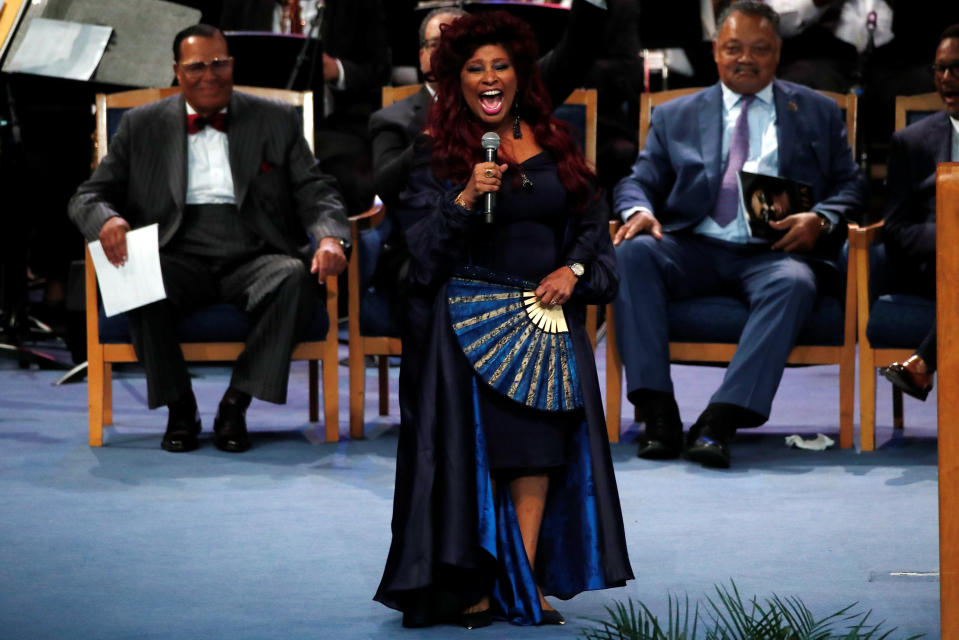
column 430, row 45
column 219, row 66
column 952, row 67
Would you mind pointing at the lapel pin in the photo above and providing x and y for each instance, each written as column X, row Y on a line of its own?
column 792, row 106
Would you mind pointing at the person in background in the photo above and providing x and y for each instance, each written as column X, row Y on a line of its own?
column 355, row 63
column 910, row 207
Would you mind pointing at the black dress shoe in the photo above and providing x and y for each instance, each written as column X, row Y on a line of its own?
column 181, row 432
column 709, row 437
column 476, row 619
column 662, row 436
column 552, row 616
column 904, row 379
column 229, row 428
column 709, row 450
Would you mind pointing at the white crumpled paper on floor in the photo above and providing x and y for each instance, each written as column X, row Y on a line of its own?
column 820, row 443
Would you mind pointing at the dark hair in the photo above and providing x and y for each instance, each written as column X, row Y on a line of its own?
column 749, row 8
column 442, row 11
column 455, row 130
column 952, row 31
column 201, row 30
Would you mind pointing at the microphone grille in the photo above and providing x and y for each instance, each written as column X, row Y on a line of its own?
column 490, row 140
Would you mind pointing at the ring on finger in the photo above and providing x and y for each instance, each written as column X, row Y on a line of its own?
column 489, row 173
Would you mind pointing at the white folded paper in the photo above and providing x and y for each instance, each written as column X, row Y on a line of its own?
column 136, row 283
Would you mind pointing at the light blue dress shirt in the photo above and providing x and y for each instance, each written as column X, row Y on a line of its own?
column 763, row 156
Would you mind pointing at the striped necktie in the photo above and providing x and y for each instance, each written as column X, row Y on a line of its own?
column 727, row 204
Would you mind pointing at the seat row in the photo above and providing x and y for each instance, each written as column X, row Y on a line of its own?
column 703, row 330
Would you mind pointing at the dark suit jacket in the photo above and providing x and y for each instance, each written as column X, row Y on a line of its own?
column 394, row 128
column 678, row 173
column 279, row 188
column 910, row 207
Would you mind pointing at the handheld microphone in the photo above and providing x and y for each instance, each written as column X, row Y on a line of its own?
column 490, row 142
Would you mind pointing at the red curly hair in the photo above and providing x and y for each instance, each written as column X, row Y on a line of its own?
column 456, row 131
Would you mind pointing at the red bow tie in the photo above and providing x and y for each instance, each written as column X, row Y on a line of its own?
column 195, row 123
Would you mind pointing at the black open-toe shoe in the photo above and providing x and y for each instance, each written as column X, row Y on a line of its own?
column 475, row 619
column 552, row 616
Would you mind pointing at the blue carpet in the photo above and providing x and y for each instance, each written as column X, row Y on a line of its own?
column 288, row 540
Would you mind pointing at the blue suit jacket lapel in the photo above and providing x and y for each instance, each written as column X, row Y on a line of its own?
column 711, row 135
column 790, row 130
column 944, row 131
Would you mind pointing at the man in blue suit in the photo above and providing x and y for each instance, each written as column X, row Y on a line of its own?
column 686, row 233
column 910, row 210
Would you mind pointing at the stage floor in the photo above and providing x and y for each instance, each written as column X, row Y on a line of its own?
column 289, row 539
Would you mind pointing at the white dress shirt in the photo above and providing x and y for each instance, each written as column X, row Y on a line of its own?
column 209, row 179
column 795, row 16
column 763, row 156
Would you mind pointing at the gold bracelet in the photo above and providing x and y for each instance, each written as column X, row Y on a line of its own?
column 460, row 201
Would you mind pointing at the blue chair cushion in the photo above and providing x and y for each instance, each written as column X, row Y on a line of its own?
column 896, row 320
column 215, row 323
column 900, row 320
column 376, row 304
column 722, row 318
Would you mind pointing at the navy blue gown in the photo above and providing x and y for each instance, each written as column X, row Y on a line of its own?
column 455, row 540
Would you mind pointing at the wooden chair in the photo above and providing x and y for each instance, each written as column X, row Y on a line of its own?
column 371, row 331
column 103, row 352
column 891, row 325
column 910, row 109
column 397, row 93
column 830, row 337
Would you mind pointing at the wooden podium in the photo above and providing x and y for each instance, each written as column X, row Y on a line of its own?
column 947, row 329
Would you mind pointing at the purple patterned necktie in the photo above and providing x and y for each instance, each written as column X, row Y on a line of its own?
column 727, row 204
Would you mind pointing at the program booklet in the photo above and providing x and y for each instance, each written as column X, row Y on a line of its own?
column 768, row 198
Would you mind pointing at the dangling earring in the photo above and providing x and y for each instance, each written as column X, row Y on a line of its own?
column 517, row 132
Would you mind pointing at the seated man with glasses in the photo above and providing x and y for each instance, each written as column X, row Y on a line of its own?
column 910, row 209
column 238, row 197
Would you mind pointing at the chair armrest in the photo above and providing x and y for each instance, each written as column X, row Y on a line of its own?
column 369, row 219
column 873, row 232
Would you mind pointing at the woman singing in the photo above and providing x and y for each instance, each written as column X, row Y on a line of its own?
column 504, row 484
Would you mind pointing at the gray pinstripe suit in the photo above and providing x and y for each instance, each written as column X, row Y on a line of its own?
column 281, row 196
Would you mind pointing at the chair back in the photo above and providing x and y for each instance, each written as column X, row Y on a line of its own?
column 848, row 105
column 580, row 112
column 395, row 94
column 648, row 101
column 912, row 109
column 110, row 107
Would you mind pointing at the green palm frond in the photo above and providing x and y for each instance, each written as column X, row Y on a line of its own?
column 730, row 617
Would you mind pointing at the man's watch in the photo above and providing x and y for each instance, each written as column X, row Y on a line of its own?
column 825, row 224
column 577, row 268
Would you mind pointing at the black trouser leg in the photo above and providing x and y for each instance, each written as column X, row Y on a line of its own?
column 278, row 291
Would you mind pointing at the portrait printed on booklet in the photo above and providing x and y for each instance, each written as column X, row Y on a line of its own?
column 768, row 198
